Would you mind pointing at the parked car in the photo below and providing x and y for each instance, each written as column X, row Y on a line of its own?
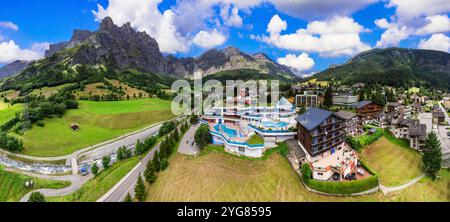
column 336, row 176
column 84, row 170
column 361, row 171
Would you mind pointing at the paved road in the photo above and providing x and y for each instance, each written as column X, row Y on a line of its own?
column 126, row 185
column 76, row 182
column 186, row 146
column 129, row 138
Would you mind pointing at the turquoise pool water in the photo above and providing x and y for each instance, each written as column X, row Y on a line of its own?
column 274, row 124
column 230, row 132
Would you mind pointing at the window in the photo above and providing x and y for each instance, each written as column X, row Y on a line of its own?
column 320, row 174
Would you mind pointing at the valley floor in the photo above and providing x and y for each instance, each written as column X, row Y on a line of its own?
column 98, row 122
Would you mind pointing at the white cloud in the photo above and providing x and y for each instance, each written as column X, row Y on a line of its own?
column 407, row 11
column 393, row 37
column 334, row 37
column 438, row 42
column 10, row 51
column 9, row 25
column 211, row 39
column 302, row 62
column 435, row 24
column 421, row 17
column 313, row 9
column 276, row 25
column 230, row 16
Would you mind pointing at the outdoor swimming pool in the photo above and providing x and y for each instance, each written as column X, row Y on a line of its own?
column 232, row 133
column 274, row 124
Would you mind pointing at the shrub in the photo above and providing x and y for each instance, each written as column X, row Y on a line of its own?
column 306, row 173
column 40, row 123
column 36, row 197
column 166, row 128
column 105, row 161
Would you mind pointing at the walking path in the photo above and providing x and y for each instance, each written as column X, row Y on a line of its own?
column 187, row 143
column 387, row 190
column 76, row 181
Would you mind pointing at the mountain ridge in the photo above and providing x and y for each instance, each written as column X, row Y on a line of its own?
column 395, row 67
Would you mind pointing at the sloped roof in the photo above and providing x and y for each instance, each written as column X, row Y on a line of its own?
column 417, row 129
column 438, row 114
column 284, row 102
column 362, row 104
column 313, row 117
column 345, row 115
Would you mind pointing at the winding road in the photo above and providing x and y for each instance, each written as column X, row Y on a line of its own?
column 92, row 153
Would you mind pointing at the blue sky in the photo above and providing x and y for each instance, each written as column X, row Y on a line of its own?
column 309, row 35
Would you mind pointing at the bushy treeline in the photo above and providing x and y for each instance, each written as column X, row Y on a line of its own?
column 10, row 143
column 160, row 160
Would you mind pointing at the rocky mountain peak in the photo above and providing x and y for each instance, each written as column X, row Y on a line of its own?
column 231, row 51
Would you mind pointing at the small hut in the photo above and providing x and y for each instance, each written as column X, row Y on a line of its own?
column 75, row 127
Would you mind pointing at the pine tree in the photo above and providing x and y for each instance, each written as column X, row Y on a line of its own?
column 432, row 156
column 361, row 95
column 156, row 162
column 139, row 189
column 149, row 172
column 176, row 134
column 328, row 97
column 128, row 198
column 94, row 169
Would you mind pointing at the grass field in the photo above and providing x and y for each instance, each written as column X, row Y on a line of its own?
column 98, row 121
column 12, row 185
column 97, row 187
column 315, row 81
column 93, row 89
column 10, row 94
column 8, row 112
column 48, row 91
column 220, row 177
column 395, row 164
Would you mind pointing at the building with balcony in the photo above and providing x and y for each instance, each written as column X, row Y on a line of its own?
column 368, row 110
column 234, row 126
column 345, row 100
column 352, row 122
column 307, row 100
column 321, row 135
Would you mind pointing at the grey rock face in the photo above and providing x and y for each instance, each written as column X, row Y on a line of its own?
column 13, row 68
column 123, row 47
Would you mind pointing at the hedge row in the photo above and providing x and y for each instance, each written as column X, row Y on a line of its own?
column 350, row 187
column 367, row 168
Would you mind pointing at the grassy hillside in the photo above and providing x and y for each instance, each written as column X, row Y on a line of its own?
column 7, row 111
column 98, row 121
column 222, row 177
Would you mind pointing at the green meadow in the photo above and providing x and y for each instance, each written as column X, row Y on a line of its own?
column 7, row 111
column 12, row 185
column 98, row 122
